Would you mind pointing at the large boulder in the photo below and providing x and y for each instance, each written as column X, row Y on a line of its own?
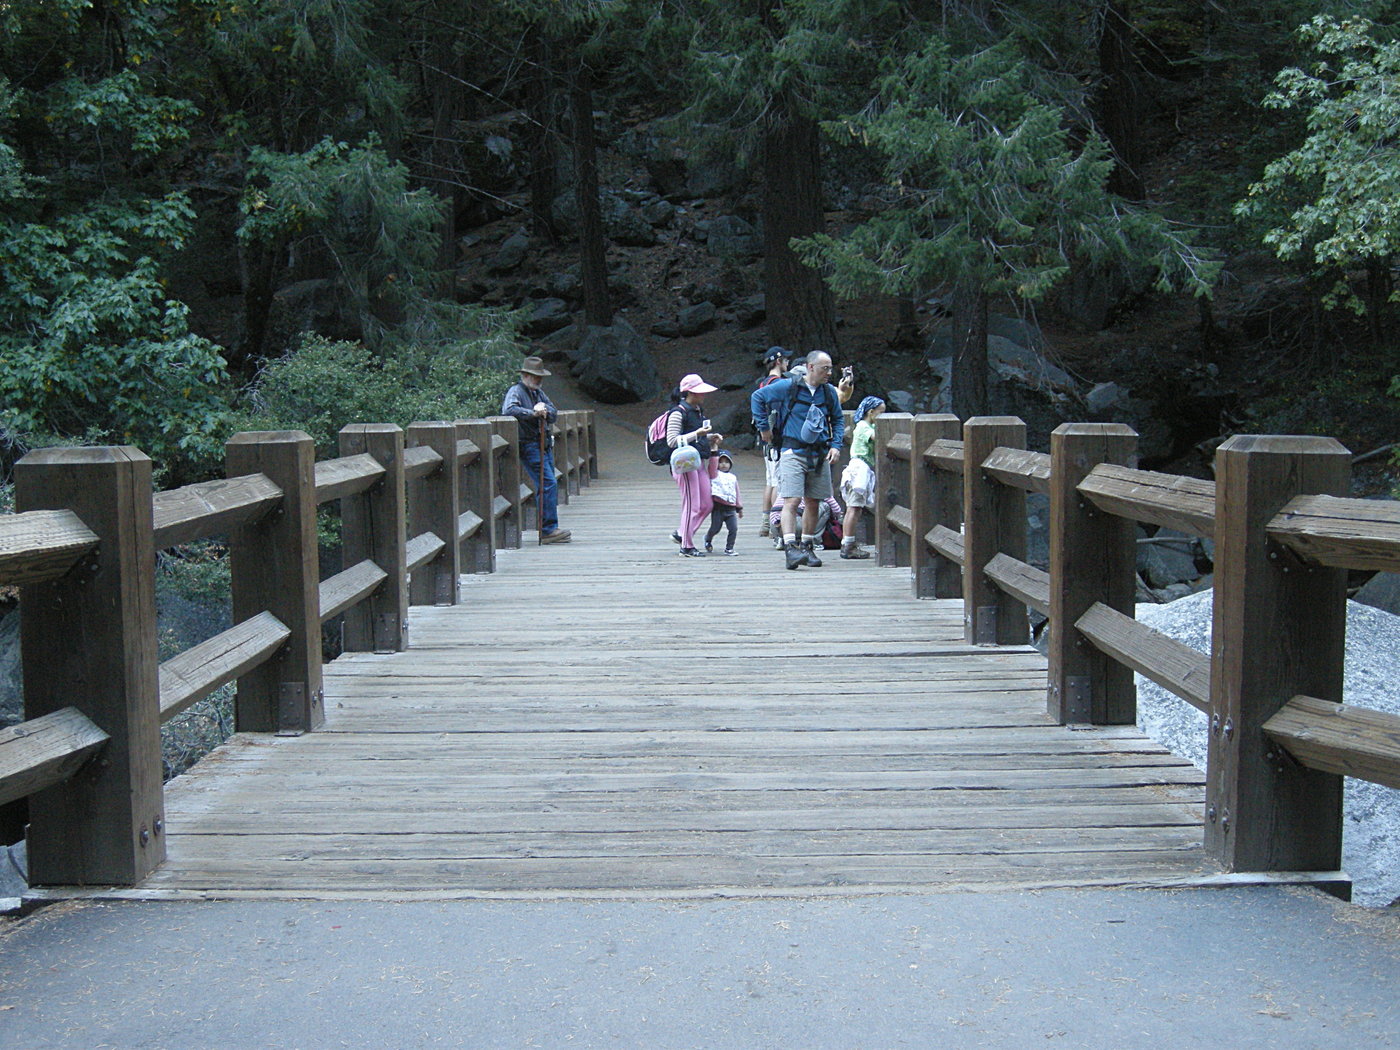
column 1020, row 382
column 546, row 315
column 614, row 365
column 693, row 320
column 731, row 237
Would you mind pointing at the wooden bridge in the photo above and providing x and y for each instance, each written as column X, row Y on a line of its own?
column 604, row 717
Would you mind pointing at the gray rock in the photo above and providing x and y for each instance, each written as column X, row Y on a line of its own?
column 614, row 365
column 749, row 312
column 14, row 873
column 1381, row 591
column 631, row 229
column 1104, row 399
column 1169, row 558
column 1017, row 330
column 738, row 381
column 901, row 401
column 547, row 315
column 567, row 284
column 712, row 178
column 562, row 344
column 11, row 670
column 666, row 329
column 1038, row 530
column 693, row 320
column 510, row 254
column 730, row 237
column 659, row 212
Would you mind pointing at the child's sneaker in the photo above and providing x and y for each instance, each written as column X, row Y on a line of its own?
column 709, row 548
column 763, row 531
column 730, row 551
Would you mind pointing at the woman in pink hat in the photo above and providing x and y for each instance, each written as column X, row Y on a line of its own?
column 687, row 425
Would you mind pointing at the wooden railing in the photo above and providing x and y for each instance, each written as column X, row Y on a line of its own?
column 951, row 506
column 418, row 507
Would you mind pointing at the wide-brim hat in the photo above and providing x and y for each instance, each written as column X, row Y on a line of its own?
column 693, row 384
column 534, row 366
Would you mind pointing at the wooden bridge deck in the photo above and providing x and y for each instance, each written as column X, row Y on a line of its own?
column 605, row 717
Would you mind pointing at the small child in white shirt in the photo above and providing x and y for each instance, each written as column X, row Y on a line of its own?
column 728, row 508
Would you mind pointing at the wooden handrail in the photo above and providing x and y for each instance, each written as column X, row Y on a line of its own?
column 420, row 462
column 1339, row 532
column 945, row 454
column 898, row 446
column 1019, row 468
column 946, row 542
column 349, row 587
column 422, row 549
column 1339, row 738
column 467, row 453
column 1186, row 504
column 39, row 545
column 468, row 524
column 201, row 669
column 1024, row 582
column 346, row 476
column 1172, row 665
column 902, row 519
column 211, row 508
column 45, row 751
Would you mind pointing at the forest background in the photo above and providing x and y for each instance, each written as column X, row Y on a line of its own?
column 261, row 214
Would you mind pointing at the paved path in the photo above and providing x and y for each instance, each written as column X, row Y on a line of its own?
column 1160, row 970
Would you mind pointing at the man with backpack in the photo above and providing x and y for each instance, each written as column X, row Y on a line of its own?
column 802, row 418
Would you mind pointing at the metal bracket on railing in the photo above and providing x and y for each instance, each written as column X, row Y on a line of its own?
column 1079, row 698
column 291, row 703
column 985, row 627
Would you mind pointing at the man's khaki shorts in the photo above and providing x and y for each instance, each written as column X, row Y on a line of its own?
column 795, row 478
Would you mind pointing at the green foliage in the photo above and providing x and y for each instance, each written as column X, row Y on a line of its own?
column 1334, row 200
column 325, row 385
column 992, row 192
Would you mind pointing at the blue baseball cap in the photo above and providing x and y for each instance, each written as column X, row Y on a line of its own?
column 775, row 352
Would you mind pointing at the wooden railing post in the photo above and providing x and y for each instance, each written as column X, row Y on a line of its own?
column 1278, row 631
column 432, row 507
column 88, row 640
column 891, row 489
column 1093, row 558
column 593, row 444
column 509, row 477
column 569, row 454
column 585, row 447
column 935, row 497
column 373, row 526
column 478, row 496
column 994, row 521
column 275, row 568
column 561, row 463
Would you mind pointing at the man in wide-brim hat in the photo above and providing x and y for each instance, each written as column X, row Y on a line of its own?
column 529, row 404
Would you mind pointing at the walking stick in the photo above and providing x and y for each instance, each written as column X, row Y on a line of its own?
column 539, row 488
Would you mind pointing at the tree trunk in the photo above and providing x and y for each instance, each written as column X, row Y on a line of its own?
column 444, row 155
column 801, row 315
column 592, row 247
column 970, row 357
column 262, row 266
column 539, row 108
column 1118, row 99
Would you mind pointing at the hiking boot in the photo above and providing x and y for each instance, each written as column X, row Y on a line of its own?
column 763, row 531
column 809, row 555
column 854, row 551
column 691, row 552
column 557, row 536
column 675, row 537
column 778, row 543
column 796, row 556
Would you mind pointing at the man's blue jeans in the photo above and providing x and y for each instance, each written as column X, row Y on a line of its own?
column 548, row 496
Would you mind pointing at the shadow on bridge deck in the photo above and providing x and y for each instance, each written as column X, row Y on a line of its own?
column 605, row 717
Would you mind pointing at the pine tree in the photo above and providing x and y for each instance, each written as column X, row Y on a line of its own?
column 993, row 199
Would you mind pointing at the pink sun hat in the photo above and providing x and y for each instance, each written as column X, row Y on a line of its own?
column 693, row 384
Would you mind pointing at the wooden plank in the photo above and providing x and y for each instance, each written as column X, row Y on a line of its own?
column 935, row 498
column 422, row 549
column 900, row 518
column 467, row 525
column 1341, row 533
column 1186, row 504
column 500, row 507
column 41, row 545
column 346, row 476
column 946, row 542
column 420, row 461
column 1019, row 468
column 1174, row 666
column 45, row 751
column 467, row 452
column 1027, row 583
column 198, row 671
column 898, row 446
column 433, row 504
column 349, row 586
column 994, row 522
column 211, row 508
column 1339, row 738
column 946, row 454
column 374, row 527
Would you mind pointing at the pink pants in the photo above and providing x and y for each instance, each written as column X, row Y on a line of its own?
column 696, row 501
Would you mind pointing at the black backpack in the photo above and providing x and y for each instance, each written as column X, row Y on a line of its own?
column 658, row 451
